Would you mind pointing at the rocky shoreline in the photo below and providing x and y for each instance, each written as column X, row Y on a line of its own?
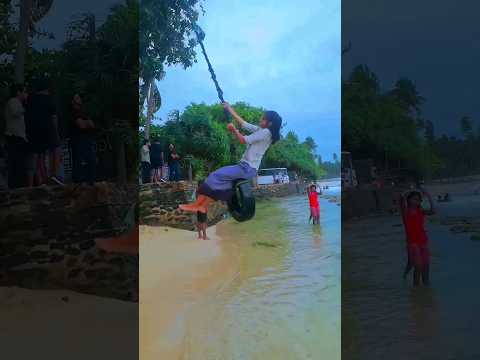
column 159, row 203
column 48, row 239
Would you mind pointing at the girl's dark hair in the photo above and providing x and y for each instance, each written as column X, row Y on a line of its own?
column 414, row 193
column 145, row 141
column 16, row 88
column 275, row 124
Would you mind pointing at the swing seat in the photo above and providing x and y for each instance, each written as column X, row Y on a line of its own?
column 242, row 204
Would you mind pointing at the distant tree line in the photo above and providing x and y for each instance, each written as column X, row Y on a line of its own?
column 389, row 128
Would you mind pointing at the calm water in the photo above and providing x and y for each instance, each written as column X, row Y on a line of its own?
column 284, row 302
column 384, row 317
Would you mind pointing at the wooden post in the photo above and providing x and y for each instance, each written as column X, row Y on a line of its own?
column 22, row 42
column 150, row 105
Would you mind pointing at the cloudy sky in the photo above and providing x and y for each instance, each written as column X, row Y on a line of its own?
column 275, row 54
column 60, row 15
column 432, row 42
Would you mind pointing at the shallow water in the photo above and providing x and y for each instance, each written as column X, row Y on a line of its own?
column 384, row 316
column 284, row 300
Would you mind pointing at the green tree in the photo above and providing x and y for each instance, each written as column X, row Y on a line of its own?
column 310, row 143
column 166, row 38
column 406, row 92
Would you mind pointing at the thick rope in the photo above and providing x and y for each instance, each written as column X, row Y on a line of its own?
column 200, row 35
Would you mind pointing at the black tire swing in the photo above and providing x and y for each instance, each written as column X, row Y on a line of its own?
column 242, row 203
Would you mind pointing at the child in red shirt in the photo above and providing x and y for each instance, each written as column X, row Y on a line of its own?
column 314, row 205
column 418, row 249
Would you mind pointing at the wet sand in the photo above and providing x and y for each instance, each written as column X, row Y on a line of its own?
column 177, row 270
column 383, row 316
column 58, row 324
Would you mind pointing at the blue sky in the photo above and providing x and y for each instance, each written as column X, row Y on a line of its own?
column 273, row 54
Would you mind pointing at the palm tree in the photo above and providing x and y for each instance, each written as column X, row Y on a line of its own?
column 406, row 91
column 22, row 40
column 150, row 94
column 466, row 124
column 31, row 11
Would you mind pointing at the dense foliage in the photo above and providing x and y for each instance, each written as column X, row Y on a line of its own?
column 200, row 132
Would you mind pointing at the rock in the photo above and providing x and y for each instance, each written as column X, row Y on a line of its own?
column 72, row 261
column 74, row 273
column 17, row 259
column 73, row 251
column 54, row 258
column 85, row 245
column 57, row 246
column 88, row 258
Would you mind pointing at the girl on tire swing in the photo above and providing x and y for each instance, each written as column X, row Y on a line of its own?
column 219, row 184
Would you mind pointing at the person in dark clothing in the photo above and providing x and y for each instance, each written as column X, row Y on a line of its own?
column 156, row 160
column 173, row 163
column 40, row 120
column 83, row 144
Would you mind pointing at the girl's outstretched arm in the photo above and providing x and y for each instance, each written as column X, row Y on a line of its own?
column 431, row 211
column 237, row 133
column 402, row 203
column 240, row 121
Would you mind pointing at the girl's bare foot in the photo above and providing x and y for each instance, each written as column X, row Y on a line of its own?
column 193, row 208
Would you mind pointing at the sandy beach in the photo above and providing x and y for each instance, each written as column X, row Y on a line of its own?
column 60, row 324
column 190, row 269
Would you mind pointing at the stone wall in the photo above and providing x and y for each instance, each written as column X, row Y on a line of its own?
column 159, row 203
column 277, row 190
column 47, row 239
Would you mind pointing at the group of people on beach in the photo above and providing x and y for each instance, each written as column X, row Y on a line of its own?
column 32, row 138
column 154, row 168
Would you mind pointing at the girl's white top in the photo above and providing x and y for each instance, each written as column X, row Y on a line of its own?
column 14, row 121
column 145, row 154
column 258, row 143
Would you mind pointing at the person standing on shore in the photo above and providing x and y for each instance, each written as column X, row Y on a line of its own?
column 418, row 249
column 202, row 222
column 146, row 164
column 83, row 144
column 314, row 205
column 16, row 138
column 173, row 163
column 41, row 128
column 156, row 160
